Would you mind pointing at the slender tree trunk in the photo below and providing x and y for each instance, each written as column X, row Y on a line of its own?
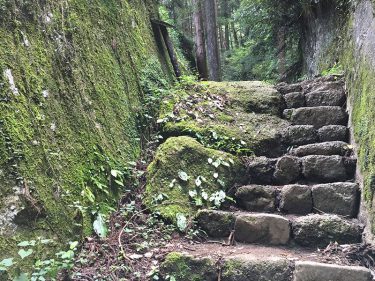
column 281, row 51
column 200, row 47
column 235, row 37
column 213, row 53
column 226, row 15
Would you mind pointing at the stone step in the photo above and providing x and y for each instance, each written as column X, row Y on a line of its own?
column 291, row 169
column 318, row 117
column 211, row 262
column 316, row 98
column 324, row 148
column 270, row 229
column 341, row 198
column 308, row 134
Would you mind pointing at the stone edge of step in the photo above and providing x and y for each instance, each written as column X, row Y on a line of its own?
column 275, row 268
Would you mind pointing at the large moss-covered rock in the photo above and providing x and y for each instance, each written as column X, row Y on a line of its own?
column 240, row 118
column 185, row 175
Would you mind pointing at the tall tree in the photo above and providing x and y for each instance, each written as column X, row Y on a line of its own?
column 212, row 42
column 200, row 47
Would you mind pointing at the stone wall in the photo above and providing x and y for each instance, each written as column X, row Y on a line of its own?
column 71, row 93
column 347, row 36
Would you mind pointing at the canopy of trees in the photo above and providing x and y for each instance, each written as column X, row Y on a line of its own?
column 256, row 39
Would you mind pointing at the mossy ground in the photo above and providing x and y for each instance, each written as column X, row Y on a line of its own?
column 240, row 118
column 168, row 194
column 77, row 69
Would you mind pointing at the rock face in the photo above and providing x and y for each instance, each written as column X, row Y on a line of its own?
column 318, row 168
column 338, row 198
column 324, row 148
column 257, row 198
column 299, row 135
column 319, row 116
column 333, row 133
column 262, row 228
column 296, row 199
column 288, row 170
column 216, row 223
column 294, row 100
column 312, row 271
column 320, row 230
column 326, row 98
column 243, row 270
column 260, row 170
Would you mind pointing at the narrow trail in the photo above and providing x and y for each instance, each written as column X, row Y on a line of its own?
column 306, row 199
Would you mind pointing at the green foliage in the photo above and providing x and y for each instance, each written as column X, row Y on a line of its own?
column 335, row 70
column 41, row 269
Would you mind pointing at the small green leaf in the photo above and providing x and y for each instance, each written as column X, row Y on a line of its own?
column 73, row 245
column 24, row 254
column 183, row 176
column 181, row 222
column 6, row 262
column 100, row 226
column 21, row 277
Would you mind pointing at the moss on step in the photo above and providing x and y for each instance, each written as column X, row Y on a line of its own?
column 183, row 268
column 240, row 118
column 183, row 165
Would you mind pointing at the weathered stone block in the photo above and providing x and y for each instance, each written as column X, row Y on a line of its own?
column 296, row 199
column 299, row 135
column 294, row 100
column 257, row 198
column 324, row 148
column 262, row 228
column 326, row 98
column 244, row 269
column 337, row 198
column 318, row 168
column 288, row 170
column 260, row 170
column 320, row 230
column 333, row 133
column 319, row 116
column 216, row 224
column 285, row 88
column 312, row 271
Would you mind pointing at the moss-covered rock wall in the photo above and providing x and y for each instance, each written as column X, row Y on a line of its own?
column 345, row 36
column 71, row 78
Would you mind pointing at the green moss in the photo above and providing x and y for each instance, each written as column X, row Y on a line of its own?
column 168, row 194
column 79, row 95
column 183, row 268
column 240, row 118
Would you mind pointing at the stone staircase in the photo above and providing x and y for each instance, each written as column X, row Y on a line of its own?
column 305, row 199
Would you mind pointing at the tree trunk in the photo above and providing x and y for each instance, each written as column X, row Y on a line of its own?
column 200, row 47
column 226, row 15
column 281, row 51
column 170, row 49
column 213, row 54
column 235, row 37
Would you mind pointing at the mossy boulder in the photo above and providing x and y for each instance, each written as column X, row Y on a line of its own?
column 184, row 267
column 186, row 176
column 239, row 117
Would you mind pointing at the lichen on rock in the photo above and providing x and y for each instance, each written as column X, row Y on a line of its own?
column 186, row 176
